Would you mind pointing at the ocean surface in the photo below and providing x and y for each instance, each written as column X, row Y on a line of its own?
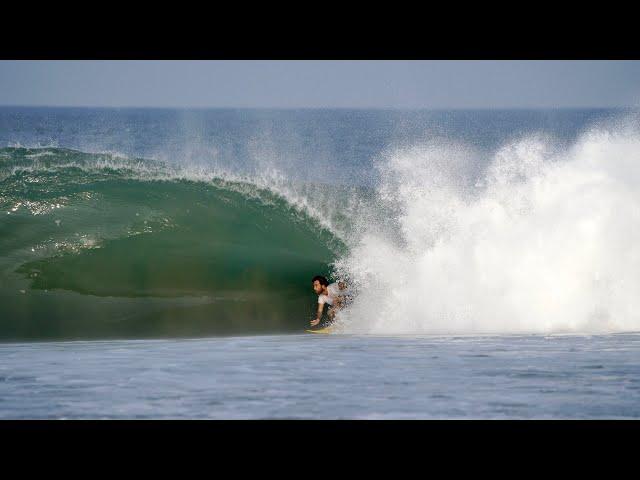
column 157, row 263
column 325, row 377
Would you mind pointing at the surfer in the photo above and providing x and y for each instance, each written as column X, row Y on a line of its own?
column 333, row 294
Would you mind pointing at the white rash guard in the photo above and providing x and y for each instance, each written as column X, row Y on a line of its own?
column 333, row 290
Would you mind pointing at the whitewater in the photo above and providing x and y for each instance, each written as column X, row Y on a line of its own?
column 543, row 240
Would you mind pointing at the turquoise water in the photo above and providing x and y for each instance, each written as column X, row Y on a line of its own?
column 142, row 252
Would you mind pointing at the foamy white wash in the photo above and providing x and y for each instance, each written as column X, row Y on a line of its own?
column 547, row 241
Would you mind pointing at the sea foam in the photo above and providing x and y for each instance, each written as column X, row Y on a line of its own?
column 543, row 238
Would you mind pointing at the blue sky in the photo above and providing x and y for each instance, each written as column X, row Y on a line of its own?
column 321, row 84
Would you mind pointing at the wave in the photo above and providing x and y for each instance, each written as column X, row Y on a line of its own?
column 539, row 236
column 96, row 245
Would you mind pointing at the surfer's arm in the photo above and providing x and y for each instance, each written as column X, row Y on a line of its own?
column 316, row 320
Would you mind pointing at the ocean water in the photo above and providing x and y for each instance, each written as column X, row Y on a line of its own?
column 164, row 257
column 325, row 377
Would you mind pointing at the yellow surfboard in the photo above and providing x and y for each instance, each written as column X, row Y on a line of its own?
column 328, row 329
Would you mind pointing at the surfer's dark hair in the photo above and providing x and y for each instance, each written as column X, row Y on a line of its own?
column 321, row 279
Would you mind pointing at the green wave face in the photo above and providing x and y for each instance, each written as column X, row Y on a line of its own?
column 96, row 247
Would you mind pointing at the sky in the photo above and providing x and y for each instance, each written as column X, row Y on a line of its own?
column 321, row 84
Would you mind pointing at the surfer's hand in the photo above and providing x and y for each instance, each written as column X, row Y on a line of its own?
column 314, row 322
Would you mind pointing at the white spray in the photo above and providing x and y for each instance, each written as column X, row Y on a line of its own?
column 547, row 241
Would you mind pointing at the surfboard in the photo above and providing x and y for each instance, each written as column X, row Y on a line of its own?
column 328, row 329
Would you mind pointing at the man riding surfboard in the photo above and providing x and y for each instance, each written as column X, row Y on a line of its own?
column 331, row 294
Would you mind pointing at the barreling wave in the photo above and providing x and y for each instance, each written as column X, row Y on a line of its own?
column 538, row 236
column 96, row 245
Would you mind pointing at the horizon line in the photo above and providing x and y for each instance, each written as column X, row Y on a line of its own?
column 193, row 107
